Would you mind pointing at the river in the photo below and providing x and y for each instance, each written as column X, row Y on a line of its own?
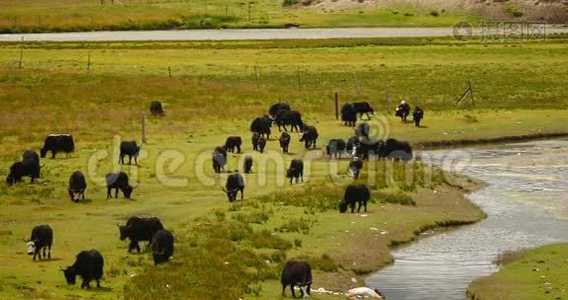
column 526, row 205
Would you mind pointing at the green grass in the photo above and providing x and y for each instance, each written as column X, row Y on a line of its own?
column 214, row 93
column 83, row 15
column 540, row 273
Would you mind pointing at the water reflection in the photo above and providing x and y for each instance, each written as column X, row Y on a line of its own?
column 526, row 207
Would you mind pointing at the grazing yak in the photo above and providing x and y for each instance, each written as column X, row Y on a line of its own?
column 233, row 143
column 417, row 115
column 88, row 265
column 363, row 130
column 77, row 186
column 139, row 229
column 277, row 107
column 131, row 149
column 162, row 246
column 57, row 143
column 296, row 273
column 289, row 117
column 335, row 147
column 254, row 140
column 355, row 166
column 355, row 193
column 402, row 111
column 219, row 158
column 247, row 164
column 363, row 108
column 396, row 150
column 156, row 109
column 30, row 155
column 368, row 148
column 348, row 115
column 262, row 126
column 309, row 136
column 29, row 166
column 235, row 183
column 261, row 144
column 118, row 181
column 352, row 144
column 284, row 141
column 40, row 239
column 296, row 170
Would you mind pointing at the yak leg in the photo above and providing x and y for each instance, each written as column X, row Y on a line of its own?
column 242, row 193
column 116, row 193
column 108, row 193
column 292, row 290
column 98, row 282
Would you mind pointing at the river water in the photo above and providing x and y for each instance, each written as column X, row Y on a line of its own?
column 526, row 205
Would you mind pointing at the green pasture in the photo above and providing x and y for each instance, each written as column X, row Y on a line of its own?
column 88, row 15
column 215, row 90
column 540, row 273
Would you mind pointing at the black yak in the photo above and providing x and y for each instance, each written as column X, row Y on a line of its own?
column 417, row 115
column 156, row 109
column 355, row 193
column 162, row 246
column 348, row 115
column 402, row 111
column 118, row 181
column 40, row 239
column 219, row 158
column 277, row 107
column 139, row 229
column 131, row 149
column 88, row 265
column 284, row 141
column 363, row 108
column 396, row 150
column 296, row 273
column 29, row 166
column 289, row 117
column 296, row 170
column 355, row 166
column 363, row 130
column 262, row 126
column 309, row 136
column 57, row 143
column 233, row 143
column 335, row 147
column 77, row 186
column 247, row 165
column 235, row 183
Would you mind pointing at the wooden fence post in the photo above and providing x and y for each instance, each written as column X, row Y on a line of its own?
column 21, row 61
column 170, row 71
column 89, row 64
